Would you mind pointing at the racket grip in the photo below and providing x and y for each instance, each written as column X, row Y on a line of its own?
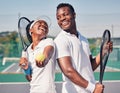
column 23, row 54
column 28, row 71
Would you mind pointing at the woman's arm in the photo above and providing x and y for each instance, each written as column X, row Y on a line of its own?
column 46, row 55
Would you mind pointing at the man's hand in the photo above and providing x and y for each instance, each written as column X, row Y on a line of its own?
column 99, row 88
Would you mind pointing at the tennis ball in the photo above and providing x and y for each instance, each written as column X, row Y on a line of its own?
column 40, row 57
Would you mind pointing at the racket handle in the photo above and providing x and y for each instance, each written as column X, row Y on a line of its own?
column 28, row 71
column 23, row 54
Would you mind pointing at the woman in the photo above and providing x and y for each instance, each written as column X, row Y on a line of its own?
column 39, row 59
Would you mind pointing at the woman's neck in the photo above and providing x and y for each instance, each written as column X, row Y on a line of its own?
column 36, row 40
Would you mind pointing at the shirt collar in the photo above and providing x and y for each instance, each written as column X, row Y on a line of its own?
column 67, row 33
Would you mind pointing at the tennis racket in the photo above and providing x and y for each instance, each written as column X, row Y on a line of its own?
column 104, row 53
column 22, row 26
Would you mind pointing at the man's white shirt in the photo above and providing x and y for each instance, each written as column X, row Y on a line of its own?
column 78, row 49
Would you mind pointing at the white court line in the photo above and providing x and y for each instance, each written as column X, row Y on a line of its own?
column 4, row 83
column 112, row 68
column 18, row 70
column 56, row 82
column 108, row 68
column 8, row 68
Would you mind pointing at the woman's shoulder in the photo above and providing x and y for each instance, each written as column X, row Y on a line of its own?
column 49, row 39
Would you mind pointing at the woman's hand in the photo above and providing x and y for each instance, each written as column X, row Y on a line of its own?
column 23, row 63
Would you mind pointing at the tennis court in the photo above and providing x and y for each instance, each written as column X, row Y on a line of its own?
column 11, row 72
column 12, row 78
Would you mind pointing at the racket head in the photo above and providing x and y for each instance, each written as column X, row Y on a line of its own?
column 23, row 23
column 104, row 52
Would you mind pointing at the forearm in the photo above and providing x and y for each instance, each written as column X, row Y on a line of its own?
column 67, row 68
column 28, row 73
column 48, row 52
column 29, row 77
column 95, row 62
column 77, row 79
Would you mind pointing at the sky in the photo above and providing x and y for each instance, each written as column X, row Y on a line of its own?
column 92, row 16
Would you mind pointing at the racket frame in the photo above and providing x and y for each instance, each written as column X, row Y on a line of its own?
column 24, row 44
column 103, row 64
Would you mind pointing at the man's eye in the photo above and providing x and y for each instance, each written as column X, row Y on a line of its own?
column 66, row 14
column 58, row 18
column 38, row 28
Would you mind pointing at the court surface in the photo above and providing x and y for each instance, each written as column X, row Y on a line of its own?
column 12, row 78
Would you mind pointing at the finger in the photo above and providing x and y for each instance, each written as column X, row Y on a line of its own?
column 39, row 64
column 111, row 47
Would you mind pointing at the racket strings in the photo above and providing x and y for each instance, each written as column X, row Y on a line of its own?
column 22, row 27
column 105, row 50
column 22, row 24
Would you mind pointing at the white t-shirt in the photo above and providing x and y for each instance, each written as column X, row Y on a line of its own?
column 42, row 78
column 78, row 49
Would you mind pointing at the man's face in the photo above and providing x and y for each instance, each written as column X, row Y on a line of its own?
column 65, row 18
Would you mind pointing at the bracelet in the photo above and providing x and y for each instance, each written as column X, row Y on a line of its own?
column 28, row 71
column 90, row 87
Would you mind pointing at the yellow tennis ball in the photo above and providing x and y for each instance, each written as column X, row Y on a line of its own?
column 40, row 57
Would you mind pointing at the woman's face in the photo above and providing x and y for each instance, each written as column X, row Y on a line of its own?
column 40, row 27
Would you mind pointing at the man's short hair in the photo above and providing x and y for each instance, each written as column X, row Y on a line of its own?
column 66, row 5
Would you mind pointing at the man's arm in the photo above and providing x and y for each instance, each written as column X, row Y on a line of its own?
column 96, row 61
column 67, row 68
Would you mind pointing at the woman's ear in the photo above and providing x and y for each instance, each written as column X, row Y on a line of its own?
column 30, row 32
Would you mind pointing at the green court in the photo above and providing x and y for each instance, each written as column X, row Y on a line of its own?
column 58, row 77
column 109, row 75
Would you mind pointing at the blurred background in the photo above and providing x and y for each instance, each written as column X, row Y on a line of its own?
column 92, row 18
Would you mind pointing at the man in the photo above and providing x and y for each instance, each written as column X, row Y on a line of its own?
column 73, row 55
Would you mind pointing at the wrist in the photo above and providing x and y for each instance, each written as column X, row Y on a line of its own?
column 28, row 71
column 90, row 87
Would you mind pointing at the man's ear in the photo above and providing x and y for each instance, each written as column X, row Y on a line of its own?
column 74, row 14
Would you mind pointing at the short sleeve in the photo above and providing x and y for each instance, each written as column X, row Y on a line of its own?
column 62, row 48
column 49, row 41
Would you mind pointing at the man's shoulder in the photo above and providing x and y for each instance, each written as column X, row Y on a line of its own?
column 61, row 40
column 83, row 38
column 59, row 37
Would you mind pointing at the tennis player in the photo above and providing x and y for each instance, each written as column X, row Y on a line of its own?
column 74, row 56
column 39, row 58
